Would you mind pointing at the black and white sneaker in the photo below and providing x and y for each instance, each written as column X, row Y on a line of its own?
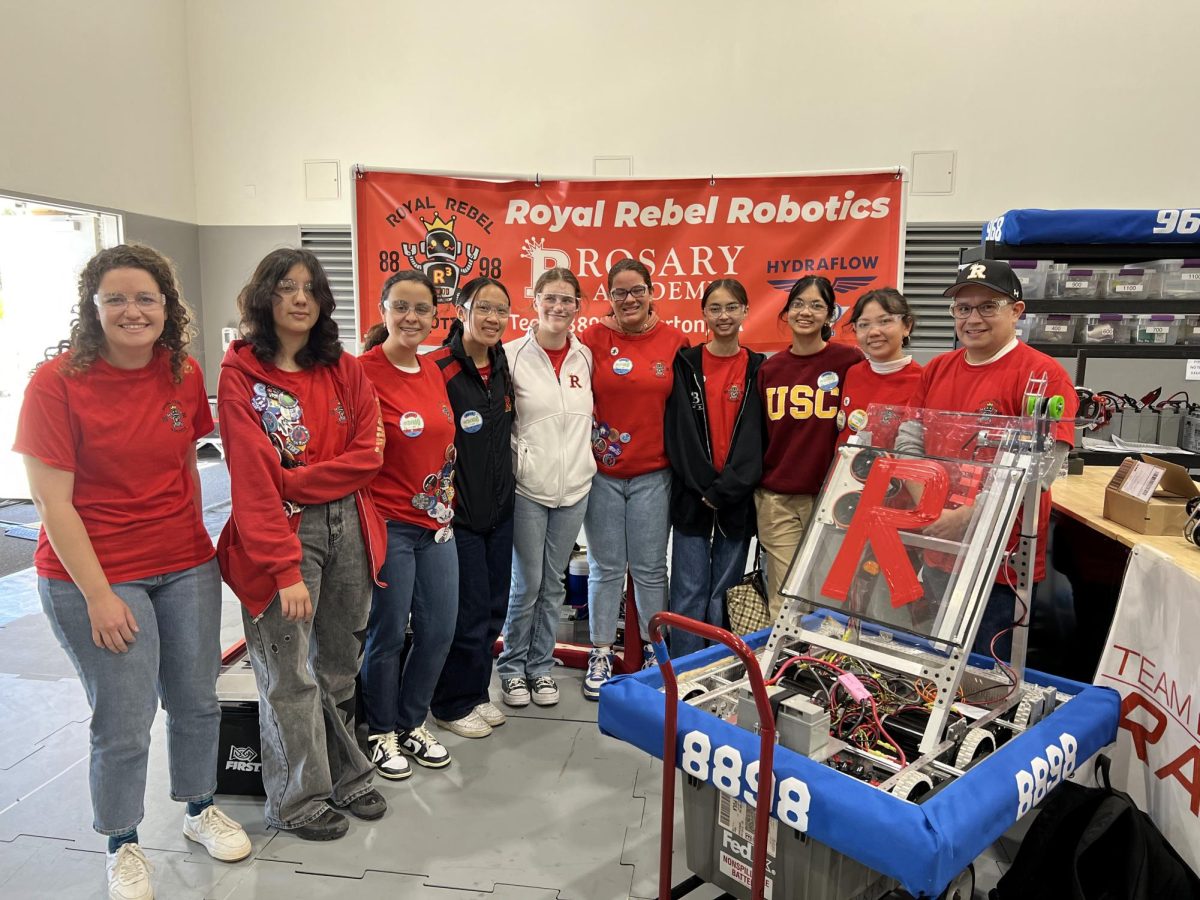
column 515, row 691
column 385, row 754
column 423, row 747
column 545, row 691
column 599, row 670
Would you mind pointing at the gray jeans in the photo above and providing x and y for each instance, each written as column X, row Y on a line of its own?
column 176, row 656
column 305, row 673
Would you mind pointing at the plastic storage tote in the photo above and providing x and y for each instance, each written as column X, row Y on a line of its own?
column 1108, row 328
column 1158, row 329
column 1055, row 329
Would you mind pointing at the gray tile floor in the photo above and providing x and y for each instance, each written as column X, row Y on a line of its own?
column 545, row 808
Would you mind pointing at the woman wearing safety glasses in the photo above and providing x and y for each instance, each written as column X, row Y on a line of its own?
column 801, row 389
column 883, row 324
column 551, row 451
column 303, row 440
column 415, row 494
column 628, row 518
column 475, row 370
column 125, row 567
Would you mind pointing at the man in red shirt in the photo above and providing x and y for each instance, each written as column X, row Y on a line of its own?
column 989, row 373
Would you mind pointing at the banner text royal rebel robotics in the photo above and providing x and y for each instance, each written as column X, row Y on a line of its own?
column 766, row 232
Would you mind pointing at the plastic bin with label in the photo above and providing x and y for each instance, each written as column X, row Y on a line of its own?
column 1182, row 281
column 1130, row 284
column 1190, row 333
column 1025, row 327
column 1032, row 275
column 1159, row 328
column 1109, row 328
column 1055, row 329
column 1080, row 283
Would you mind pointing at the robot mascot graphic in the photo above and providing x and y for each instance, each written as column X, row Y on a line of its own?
column 441, row 249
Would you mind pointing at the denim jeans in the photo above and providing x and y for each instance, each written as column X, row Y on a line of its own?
column 175, row 656
column 306, row 670
column 627, row 524
column 543, row 539
column 422, row 582
column 484, row 576
column 998, row 613
column 702, row 570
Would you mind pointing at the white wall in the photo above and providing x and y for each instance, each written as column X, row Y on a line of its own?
column 1067, row 103
column 94, row 104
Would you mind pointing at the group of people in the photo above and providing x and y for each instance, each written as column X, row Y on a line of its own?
column 394, row 513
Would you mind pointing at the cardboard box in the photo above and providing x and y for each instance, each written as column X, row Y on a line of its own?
column 1164, row 512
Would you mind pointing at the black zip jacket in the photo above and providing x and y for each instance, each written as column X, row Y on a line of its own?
column 483, row 473
column 689, row 448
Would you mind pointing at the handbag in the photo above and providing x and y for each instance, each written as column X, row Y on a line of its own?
column 746, row 602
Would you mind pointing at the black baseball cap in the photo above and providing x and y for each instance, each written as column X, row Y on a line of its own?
column 993, row 273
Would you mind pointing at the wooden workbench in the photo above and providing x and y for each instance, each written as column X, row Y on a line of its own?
column 1082, row 497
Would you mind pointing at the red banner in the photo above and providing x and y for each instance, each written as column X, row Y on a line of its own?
column 766, row 232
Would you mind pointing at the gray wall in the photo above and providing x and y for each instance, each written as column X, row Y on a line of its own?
column 227, row 257
column 181, row 242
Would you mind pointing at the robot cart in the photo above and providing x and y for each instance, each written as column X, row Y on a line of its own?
column 901, row 756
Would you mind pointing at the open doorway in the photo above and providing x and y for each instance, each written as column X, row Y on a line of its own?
column 43, row 247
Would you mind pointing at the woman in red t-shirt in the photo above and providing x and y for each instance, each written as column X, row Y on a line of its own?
column 125, row 567
column 303, row 439
column 883, row 324
column 415, row 492
column 628, row 515
column 801, row 388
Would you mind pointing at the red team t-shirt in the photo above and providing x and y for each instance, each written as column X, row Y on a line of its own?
column 557, row 357
column 865, row 386
column 949, row 383
column 128, row 435
column 801, row 397
column 416, row 483
column 724, row 390
column 321, row 420
column 631, row 382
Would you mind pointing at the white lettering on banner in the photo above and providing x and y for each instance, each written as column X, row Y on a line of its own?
column 1177, row 221
column 1045, row 772
column 722, row 767
column 785, row 209
column 1150, row 661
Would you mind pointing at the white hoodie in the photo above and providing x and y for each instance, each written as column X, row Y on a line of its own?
column 552, row 432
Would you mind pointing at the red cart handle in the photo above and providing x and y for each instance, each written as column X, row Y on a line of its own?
column 766, row 753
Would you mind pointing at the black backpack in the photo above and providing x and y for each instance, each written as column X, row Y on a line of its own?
column 1093, row 843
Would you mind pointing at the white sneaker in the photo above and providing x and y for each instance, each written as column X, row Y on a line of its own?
column 599, row 670
column 649, row 660
column 128, row 873
column 545, row 691
column 422, row 746
column 386, row 756
column 515, row 691
column 223, row 838
column 491, row 713
column 472, row 725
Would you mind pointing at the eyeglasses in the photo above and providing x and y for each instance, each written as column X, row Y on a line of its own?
column 810, row 305
column 987, row 309
column 144, row 301
column 285, row 287
column 862, row 326
column 558, row 300
column 402, row 308
column 729, row 309
column 637, row 292
column 487, row 311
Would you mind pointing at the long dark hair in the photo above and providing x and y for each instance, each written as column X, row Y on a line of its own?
column 825, row 289
column 256, row 304
column 378, row 332
column 87, row 335
column 892, row 302
column 468, row 293
column 731, row 286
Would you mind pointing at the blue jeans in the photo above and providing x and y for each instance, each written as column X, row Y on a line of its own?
column 484, row 576
column 176, row 656
column 422, row 581
column 627, row 523
column 702, row 570
column 543, row 539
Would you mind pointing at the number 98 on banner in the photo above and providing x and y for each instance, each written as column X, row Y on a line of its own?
column 722, row 767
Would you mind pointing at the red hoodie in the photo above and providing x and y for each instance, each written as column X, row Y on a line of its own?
column 326, row 422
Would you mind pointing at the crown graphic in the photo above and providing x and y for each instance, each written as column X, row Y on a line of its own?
column 438, row 223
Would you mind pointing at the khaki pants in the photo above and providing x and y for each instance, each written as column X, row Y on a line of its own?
column 782, row 519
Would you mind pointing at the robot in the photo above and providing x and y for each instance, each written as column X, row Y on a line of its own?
column 442, row 250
